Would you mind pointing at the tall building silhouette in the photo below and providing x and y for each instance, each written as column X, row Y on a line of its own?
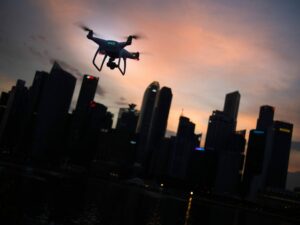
column 3, row 101
column 127, row 119
column 231, row 105
column 34, row 100
column 265, row 119
column 87, row 92
column 13, row 116
column 185, row 144
column 157, row 129
column 4, row 98
column 256, row 151
column 277, row 154
column 230, row 165
column 52, row 114
column 144, row 120
column 254, row 161
column 85, row 143
column 220, row 128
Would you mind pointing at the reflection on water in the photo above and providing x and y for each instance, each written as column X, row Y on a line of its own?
column 187, row 213
column 62, row 200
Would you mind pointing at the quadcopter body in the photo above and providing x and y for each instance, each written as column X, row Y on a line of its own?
column 113, row 50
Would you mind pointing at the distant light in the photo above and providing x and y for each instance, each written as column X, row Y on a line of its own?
column 161, row 185
column 92, row 104
column 285, row 130
column 258, row 132
column 133, row 142
column 191, row 193
column 154, row 90
column 200, row 149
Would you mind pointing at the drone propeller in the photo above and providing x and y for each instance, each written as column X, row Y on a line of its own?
column 137, row 36
column 84, row 27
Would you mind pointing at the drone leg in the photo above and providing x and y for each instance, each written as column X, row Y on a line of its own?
column 103, row 62
column 94, row 59
column 124, row 69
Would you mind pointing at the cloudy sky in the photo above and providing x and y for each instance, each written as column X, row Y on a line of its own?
column 201, row 49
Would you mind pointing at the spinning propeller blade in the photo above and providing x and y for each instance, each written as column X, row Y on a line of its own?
column 84, row 27
column 137, row 36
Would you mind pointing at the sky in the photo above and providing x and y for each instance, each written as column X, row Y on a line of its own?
column 201, row 49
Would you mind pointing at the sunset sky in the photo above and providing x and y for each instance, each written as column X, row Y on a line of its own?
column 201, row 49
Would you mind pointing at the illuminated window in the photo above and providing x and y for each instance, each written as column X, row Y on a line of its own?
column 284, row 130
column 258, row 132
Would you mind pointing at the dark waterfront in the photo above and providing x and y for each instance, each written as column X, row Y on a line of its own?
column 30, row 196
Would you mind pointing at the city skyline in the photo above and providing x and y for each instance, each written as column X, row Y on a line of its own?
column 212, row 57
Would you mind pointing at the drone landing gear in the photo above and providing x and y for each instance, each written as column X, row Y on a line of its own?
column 124, row 68
column 94, row 60
column 111, row 64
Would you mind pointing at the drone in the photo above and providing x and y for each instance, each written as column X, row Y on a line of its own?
column 114, row 50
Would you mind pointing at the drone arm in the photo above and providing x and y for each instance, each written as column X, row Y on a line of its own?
column 124, row 69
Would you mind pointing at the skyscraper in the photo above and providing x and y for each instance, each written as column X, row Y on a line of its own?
column 52, row 114
column 158, row 128
column 278, row 148
column 254, row 160
column 13, row 116
column 220, row 130
column 231, row 105
column 85, row 139
column 127, row 119
column 87, row 92
column 220, row 127
column 144, row 120
column 265, row 119
column 229, row 168
column 185, row 144
column 34, row 100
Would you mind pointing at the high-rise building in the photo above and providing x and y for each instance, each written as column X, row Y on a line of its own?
column 3, row 101
column 220, row 128
column 254, row 160
column 52, row 113
column 13, row 116
column 87, row 92
column 85, row 141
column 157, row 129
column 278, row 148
column 4, row 98
column 230, row 165
column 144, row 120
column 265, row 119
column 231, row 106
column 185, row 144
column 34, row 100
column 127, row 119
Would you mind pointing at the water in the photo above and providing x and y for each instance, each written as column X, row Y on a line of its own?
column 46, row 198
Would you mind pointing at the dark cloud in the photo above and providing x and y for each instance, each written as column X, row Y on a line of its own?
column 293, row 180
column 68, row 67
column 35, row 52
column 296, row 145
column 100, row 91
column 170, row 133
column 38, row 37
column 121, row 102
